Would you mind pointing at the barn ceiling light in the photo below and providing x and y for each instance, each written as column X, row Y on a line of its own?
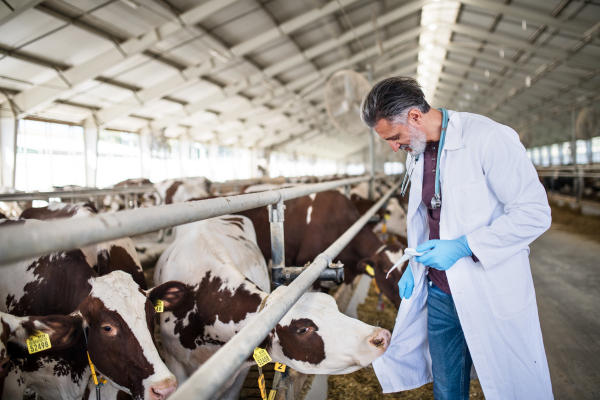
column 487, row 73
column 432, row 27
column 528, row 81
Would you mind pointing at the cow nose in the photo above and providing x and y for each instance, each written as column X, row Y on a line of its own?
column 381, row 339
column 161, row 392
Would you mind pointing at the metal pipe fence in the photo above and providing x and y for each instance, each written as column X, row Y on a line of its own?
column 23, row 242
column 214, row 373
column 70, row 194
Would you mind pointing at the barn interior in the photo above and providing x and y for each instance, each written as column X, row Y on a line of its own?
column 138, row 106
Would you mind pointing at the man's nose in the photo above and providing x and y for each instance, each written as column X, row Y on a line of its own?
column 394, row 145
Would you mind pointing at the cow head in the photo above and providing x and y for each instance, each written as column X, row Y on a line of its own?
column 118, row 317
column 315, row 337
column 62, row 331
column 381, row 262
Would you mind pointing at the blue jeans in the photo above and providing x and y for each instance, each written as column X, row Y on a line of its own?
column 451, row 360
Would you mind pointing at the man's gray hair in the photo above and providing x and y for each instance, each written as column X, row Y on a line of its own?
column 392, row 99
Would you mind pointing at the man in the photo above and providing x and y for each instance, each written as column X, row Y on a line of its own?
column 469, row 300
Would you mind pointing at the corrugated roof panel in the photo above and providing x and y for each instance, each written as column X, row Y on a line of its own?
column 27, row 26
column 23, row 70
column 71, row 45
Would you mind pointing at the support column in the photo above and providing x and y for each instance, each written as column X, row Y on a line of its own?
column 90, row 141
column 146, row 151
column 9, row 126
column 254, row 156
column 185, row 148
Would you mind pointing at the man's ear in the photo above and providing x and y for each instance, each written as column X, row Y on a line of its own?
column 172, row 294
column 62, row 329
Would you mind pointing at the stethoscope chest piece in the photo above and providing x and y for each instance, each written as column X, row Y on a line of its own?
column 436, row 201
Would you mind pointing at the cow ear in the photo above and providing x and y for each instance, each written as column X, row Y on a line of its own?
column 171, row 293
column 63, row 330
column 366, row 266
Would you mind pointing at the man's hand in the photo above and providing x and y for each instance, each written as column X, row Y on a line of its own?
column 443, row 254
column 406, row 283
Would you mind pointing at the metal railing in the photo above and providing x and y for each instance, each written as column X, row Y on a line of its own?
column 75, row 194
column 205, row 382
column 18, row 242
column 23, row 242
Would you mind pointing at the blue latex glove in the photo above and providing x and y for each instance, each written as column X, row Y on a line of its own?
column 406, row 284
column 443, row 253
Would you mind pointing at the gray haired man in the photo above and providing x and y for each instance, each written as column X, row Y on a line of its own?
column 475, row 204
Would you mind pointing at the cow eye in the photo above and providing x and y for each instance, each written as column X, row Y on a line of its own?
column 302, row 330
column 107, row 328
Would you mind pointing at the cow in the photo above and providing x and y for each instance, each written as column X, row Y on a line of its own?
column 109, row 316
column 184, row 189
column 117, row 202
column 12, row 208
column 228, row 285
column 18, row 329
column 118, row 254
column 313, row 223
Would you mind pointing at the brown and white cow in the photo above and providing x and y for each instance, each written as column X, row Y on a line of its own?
column 183, row 189
column 17, row 330
column 115, row 255
column 116, row 202
column 116, row 314
column 227, row 280
column 313, row 223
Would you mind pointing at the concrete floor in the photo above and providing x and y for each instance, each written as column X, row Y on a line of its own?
column 566, row 272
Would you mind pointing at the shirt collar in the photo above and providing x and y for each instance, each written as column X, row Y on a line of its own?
column 454, row 132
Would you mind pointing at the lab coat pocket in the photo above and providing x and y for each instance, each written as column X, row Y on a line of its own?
column 509, row 287
column 471, row 205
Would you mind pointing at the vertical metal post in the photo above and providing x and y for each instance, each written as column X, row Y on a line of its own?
column 276, row 218
column 371, row 145
column 347, row 191
column 576, row 180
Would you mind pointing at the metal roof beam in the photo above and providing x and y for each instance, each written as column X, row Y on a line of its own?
column 530, row 15
column 208, row 66
column 36, row 97
column 315, row 51
column 548, row 52
column 9, row 11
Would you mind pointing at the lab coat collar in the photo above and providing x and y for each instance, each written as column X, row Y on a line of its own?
column 454, row 133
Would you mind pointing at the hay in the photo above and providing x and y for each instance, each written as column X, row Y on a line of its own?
column 566, row 219
column 363, row 384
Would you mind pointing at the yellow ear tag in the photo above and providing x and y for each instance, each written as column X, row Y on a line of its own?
column 370, row 270
column 261, row 356
column 38, row 341
column 159, row 306
column 279, row 367
column 386, row 216
column 272, row 395
column 261, row 386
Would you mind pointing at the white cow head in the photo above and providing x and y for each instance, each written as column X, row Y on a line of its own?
column 314, row 337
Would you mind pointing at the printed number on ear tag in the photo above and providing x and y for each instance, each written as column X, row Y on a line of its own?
column 159, row 306
column 370, row 270
column 38, row 342
column 272, row 395
column 261, row 356
column 279, row 367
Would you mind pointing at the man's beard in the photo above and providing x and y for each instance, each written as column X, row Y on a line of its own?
column 418, row 141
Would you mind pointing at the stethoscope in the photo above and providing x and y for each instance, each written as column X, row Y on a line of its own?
column 436, row 201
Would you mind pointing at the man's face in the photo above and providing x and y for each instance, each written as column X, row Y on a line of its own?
column 402, row 137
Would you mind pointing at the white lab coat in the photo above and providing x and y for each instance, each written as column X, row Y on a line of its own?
column 490, row 193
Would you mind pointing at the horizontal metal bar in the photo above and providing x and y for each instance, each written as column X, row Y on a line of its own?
column 70, row 194
column 211, row 376
column 571, row 174
column 23, row 242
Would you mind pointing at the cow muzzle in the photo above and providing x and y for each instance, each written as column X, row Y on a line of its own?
column 163, row 390
column 381, row 339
